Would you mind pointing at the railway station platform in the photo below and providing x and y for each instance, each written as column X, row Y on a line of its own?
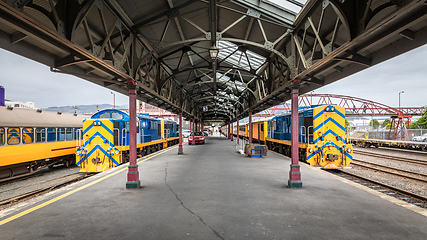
column 212, row 192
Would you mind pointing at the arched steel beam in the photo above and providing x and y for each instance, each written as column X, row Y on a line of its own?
column 225, row 113
column 258, row 45
column 208, row 68
column 227, row 98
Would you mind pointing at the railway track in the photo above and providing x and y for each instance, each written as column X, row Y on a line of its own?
column 383, row 156
column 421, row 201
column 44, row 187
column 365, row 164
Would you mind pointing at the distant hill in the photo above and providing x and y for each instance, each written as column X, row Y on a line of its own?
column 83, row 109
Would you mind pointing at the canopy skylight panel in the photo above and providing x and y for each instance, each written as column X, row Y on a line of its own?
column 291, row 5
column 229, row 53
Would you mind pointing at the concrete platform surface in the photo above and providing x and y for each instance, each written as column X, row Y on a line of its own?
column 212, row 192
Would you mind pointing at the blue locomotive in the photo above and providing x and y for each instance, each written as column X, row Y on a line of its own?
column 106, row 139
column 321, row 135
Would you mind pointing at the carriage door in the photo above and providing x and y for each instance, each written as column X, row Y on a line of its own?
column 261, row 132
column 116, row 133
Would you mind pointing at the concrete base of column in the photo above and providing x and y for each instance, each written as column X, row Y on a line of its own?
column 133, row 177
column 295, row 177
column 294, row 184
column 133, row 184
column 180, row 151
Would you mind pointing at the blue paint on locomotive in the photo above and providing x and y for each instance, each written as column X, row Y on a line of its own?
column 171, row 128
column 283, row 125
column 149, row 128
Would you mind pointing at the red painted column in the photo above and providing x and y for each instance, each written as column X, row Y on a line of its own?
column 294, row 173
column 231, row 132
column 237, row 131
column 194, row 130
column 228, row 131
column 180, row 150
column 133, row 174
column 250, row 127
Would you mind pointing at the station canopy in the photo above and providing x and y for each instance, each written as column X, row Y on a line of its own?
column 213, row 50
column 212, row 59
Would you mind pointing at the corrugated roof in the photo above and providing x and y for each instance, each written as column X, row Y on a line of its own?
column 19, row 117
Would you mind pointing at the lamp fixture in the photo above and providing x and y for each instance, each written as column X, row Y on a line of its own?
column 213, row 51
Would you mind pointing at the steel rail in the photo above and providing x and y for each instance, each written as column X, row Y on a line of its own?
column 44, row 181
column 41, row 190
column 401, row 159
column 404, row 192
column 43, row 167
column 393, row 173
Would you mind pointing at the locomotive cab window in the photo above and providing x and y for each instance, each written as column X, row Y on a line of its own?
column 13, row 136
column 1, row 136
column 27, row 135
column 116, row 115
column 104, row 115
column 40, row 135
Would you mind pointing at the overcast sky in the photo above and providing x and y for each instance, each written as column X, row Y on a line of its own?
column 25, row 80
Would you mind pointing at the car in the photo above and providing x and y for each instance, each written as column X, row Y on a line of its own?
column 196, row 137
column 186, row 133
column 422, row 138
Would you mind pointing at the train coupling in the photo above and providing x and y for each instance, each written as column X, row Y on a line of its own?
column 332, row 157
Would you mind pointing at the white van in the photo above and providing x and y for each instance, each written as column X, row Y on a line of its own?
column 185, row 133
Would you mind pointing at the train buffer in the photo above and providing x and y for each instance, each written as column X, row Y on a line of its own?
column 256, row 150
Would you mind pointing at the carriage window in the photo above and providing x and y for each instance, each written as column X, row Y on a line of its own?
column 69, row 134
column 40, row 134
column 27, row 135
column 1, row 136
column 13, row 136
column 104, row 115
column 116, row 115
column 51, row 134
column 61, row 134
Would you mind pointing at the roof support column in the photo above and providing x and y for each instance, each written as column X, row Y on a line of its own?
column 237, row 132
column 250, row 127
column 231, row 132
column 133, row 174
column 294, row 174
column 228, row 130
column 180, row 150
column 193, row 130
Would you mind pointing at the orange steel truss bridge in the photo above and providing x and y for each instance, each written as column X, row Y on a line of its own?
column 400, row 117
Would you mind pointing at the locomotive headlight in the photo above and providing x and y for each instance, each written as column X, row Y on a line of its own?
column 330, row 147
column 327, row 109
column 332, row 109
column 349, row 150
column 310, row 150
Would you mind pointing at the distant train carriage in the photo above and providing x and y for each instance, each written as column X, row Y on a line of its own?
column 33, row 139
column 321, row 135
column 106, row 139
